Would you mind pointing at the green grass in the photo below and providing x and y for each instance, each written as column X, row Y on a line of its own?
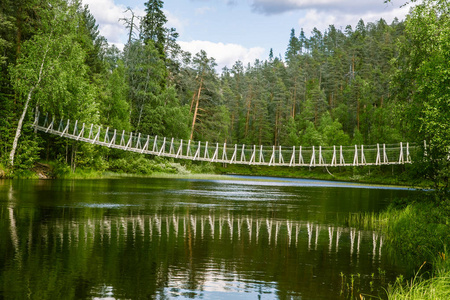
column 418, row 232
column 390, row 175
column 435, row 288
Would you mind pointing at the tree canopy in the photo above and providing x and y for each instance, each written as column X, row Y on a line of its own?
column 372, row 82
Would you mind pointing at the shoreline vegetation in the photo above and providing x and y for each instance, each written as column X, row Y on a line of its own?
column 418, row 231
column 160, row 167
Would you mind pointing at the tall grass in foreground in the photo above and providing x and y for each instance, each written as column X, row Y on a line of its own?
column 435, row 288
column 418, row 231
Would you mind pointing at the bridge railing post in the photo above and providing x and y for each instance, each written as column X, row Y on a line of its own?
column 292, row 161
column 313, row 158
column 272, row 157
column 280, row 157
column 261, row 155
column 301, row 162
column 400, row 158
column 197, row 153
column 155, row 145
column 243, row 154
column 355, row 158
column 233, row 158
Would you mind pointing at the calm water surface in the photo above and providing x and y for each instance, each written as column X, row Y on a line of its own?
column 147, row 238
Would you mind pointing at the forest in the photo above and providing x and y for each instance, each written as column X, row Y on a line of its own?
column 368, row 83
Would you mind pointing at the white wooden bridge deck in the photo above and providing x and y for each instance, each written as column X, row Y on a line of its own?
column 294, row 156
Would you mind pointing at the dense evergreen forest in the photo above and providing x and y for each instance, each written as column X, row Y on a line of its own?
column 368, row 83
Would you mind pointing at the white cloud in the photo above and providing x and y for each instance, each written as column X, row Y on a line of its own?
column 174, row 22
column 224, row 54
column 322, row 19
column 107, row 14
column 204, row 10
column 270, row 7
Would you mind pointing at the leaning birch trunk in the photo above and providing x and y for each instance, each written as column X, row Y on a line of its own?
column 24, row 112
column 19, row 128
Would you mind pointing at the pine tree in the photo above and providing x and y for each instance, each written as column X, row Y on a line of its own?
column 152, row 25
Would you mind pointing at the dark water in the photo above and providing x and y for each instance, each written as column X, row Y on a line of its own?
column 139, row 238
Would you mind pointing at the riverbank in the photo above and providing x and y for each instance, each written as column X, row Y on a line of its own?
column 142, row 166
column 418, row 232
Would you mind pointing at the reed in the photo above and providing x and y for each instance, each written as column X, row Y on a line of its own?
column 434, row 288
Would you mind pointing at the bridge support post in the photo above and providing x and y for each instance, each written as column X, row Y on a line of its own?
column 313, row 158
column 97, row 136
column 333, row 159
column 81, row 132
column 321, row 160
column 355, row 158
column 66, row 128
column 180, row 149
column 301, row 162
column 216, row 153
column 261, row 156
column 280, row 157
column 292, row 161
column 129, row 141
column 122, row 139
column 243, row 153
column 400, row 158
column 188, row 150
column 206, row 154
column 197, row 153
column 378, row 160
column 233, row 158
column 171, row 149
column 341, row 157
column 145, row 145
column 163, row 147
column 75, row 129
column 155, row 146
column 385, row 157
column 224, row 153
column 272, row 157
column 90, row 131
column 252, row 158
column 113, row 140
column 138, row 143
column 106, row 135
column 408, row 156
column 363, row 158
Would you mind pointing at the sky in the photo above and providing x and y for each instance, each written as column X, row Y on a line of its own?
column 245, row 30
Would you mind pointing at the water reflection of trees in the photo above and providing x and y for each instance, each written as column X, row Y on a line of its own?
column 133, row 254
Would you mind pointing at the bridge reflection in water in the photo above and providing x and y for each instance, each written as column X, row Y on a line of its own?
column 245, row 229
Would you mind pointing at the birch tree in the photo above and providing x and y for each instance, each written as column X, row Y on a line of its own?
column 50, row 71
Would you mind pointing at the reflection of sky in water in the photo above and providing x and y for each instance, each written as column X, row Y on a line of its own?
column 235, row 193
column 102, row 205
column 275, row 181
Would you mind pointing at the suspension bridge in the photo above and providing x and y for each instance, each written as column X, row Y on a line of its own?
column 259, row 155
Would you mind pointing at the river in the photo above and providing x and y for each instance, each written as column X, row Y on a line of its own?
column 149, row 238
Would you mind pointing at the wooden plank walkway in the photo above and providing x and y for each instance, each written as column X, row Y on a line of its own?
column 295, row 156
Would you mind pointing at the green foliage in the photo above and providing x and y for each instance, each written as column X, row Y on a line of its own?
column 421, row 85
column 138, row 164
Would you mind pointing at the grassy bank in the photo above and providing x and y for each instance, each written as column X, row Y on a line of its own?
column 435, row 288
column 418, row 232
column 389, row 175
column 140, row 165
